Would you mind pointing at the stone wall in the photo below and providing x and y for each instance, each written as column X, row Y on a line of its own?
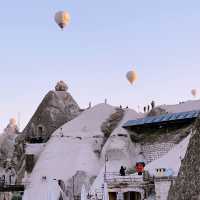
column 162, row 189
column 152, row 152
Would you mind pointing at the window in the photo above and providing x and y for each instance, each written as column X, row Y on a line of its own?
column 40, row 131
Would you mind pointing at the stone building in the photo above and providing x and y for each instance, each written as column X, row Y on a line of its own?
column 129, row 187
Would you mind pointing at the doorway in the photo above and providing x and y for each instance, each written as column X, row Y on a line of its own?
column 112, row 196
column 132, row 196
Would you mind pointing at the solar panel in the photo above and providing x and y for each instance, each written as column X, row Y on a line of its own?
column 163, row 118
column 196, row 114
column 189, row 115
column 155, row 119
column 180, row 116
column 149, row 120
column 173, row 117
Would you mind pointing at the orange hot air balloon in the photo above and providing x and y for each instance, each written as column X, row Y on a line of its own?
column 62, row 18
column 194, row 92
column 131, row 76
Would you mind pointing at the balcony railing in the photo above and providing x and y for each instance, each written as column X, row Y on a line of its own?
column 116, row 178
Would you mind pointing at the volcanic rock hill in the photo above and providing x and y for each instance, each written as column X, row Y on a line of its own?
column 57, row 108
column 187, row 185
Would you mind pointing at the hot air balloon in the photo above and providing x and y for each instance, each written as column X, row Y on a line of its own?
column 131, row 76
column 194, row 92
column 13, row 121
column 62, row 18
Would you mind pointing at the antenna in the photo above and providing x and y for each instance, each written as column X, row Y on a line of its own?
column 90, row 105
column 138, row 108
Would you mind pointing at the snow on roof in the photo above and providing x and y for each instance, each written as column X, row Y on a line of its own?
column 89, row 122
column 119, row 149
column 172, row 160
column 64, row 156
column 182, row 107
column 35, row 149
column 48, row 189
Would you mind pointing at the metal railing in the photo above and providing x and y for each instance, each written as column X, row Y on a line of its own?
column 116, row 178
column 11, row 187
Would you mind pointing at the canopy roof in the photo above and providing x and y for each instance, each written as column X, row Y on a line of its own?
column 182, row 116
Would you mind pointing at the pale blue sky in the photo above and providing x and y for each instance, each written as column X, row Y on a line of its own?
column 104, row 40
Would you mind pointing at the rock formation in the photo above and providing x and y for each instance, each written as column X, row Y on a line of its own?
column 7, row 151
column 57, row 108
column 61, row 86
column 111, row 123
column 12, row 128
column 187, row 185
column 157, row 111
column 7, row 141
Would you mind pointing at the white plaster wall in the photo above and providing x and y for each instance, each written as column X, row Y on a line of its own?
column 162, row 189
column 128, row 189
column 35, row 149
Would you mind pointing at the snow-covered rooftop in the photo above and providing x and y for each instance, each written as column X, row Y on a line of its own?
column 70, row 151
column 88, row 123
